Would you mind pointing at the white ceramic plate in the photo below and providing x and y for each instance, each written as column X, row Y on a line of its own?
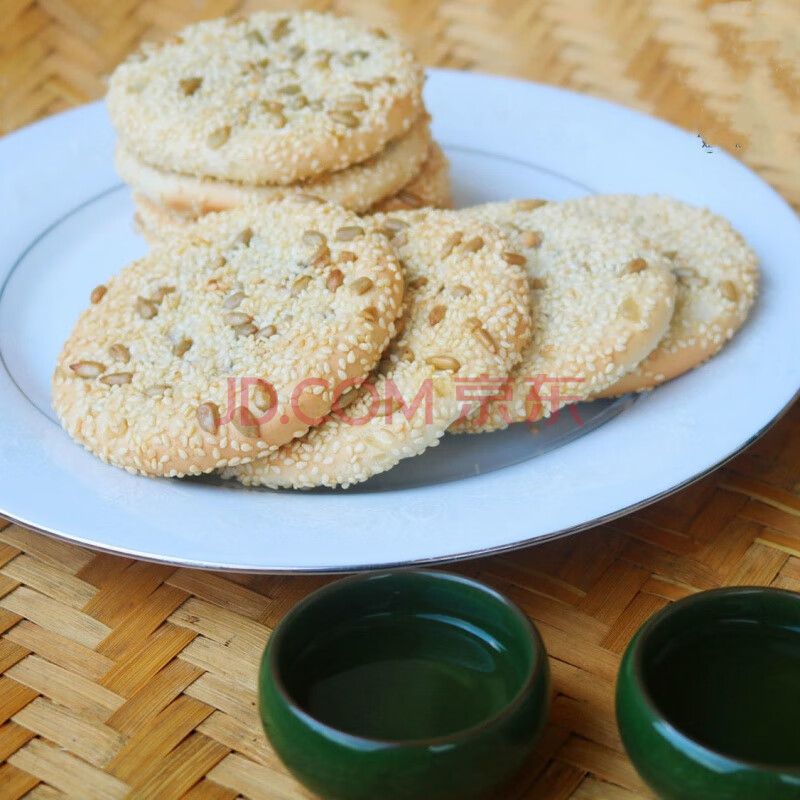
column 65, row 227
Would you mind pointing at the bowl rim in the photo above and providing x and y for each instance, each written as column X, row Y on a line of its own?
column 538, row 667
column 637, row 663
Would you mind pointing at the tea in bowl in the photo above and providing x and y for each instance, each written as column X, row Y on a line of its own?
column 708, row 697
column 404, row 685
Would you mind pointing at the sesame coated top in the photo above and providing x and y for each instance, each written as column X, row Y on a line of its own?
column 266, row 98
column 602, row 298
column 716, row 272
column 466, row 318
column 235, row 312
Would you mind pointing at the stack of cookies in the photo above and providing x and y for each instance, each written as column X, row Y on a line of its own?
column 246, row 109
column 280, row 335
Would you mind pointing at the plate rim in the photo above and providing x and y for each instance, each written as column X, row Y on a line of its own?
column 414, row 563
column 432, row 560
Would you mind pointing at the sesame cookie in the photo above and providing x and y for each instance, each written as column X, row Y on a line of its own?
column 430, row 187
column 356, row 187
column 717, row 277
column 602, row 298
column 466, row 319
column 267, row 98
column 221, row 346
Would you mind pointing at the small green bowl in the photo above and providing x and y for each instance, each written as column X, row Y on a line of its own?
column 708, row 697
column 401, row 685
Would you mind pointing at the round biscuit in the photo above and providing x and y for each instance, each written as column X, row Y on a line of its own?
column 289, row 295
column 465, row 322
column 430, row 187
column 266, row 98
column 602, row 298
column 356, row 187
column 716, row 271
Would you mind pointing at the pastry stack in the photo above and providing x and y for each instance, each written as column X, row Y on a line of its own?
column 252, row 108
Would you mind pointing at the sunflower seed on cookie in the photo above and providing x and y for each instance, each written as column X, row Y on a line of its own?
column 431, row 373
column 265, row 98
column 191, row 361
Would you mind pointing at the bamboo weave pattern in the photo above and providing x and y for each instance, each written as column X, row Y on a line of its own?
column 125, row 679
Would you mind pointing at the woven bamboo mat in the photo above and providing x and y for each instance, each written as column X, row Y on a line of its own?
column 125, row 679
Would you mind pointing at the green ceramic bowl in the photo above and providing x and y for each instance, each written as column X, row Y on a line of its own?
column 708, row 697
column 404, row 685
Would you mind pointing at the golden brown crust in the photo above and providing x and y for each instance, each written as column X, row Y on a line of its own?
column 430, row 187
column 356, row 187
